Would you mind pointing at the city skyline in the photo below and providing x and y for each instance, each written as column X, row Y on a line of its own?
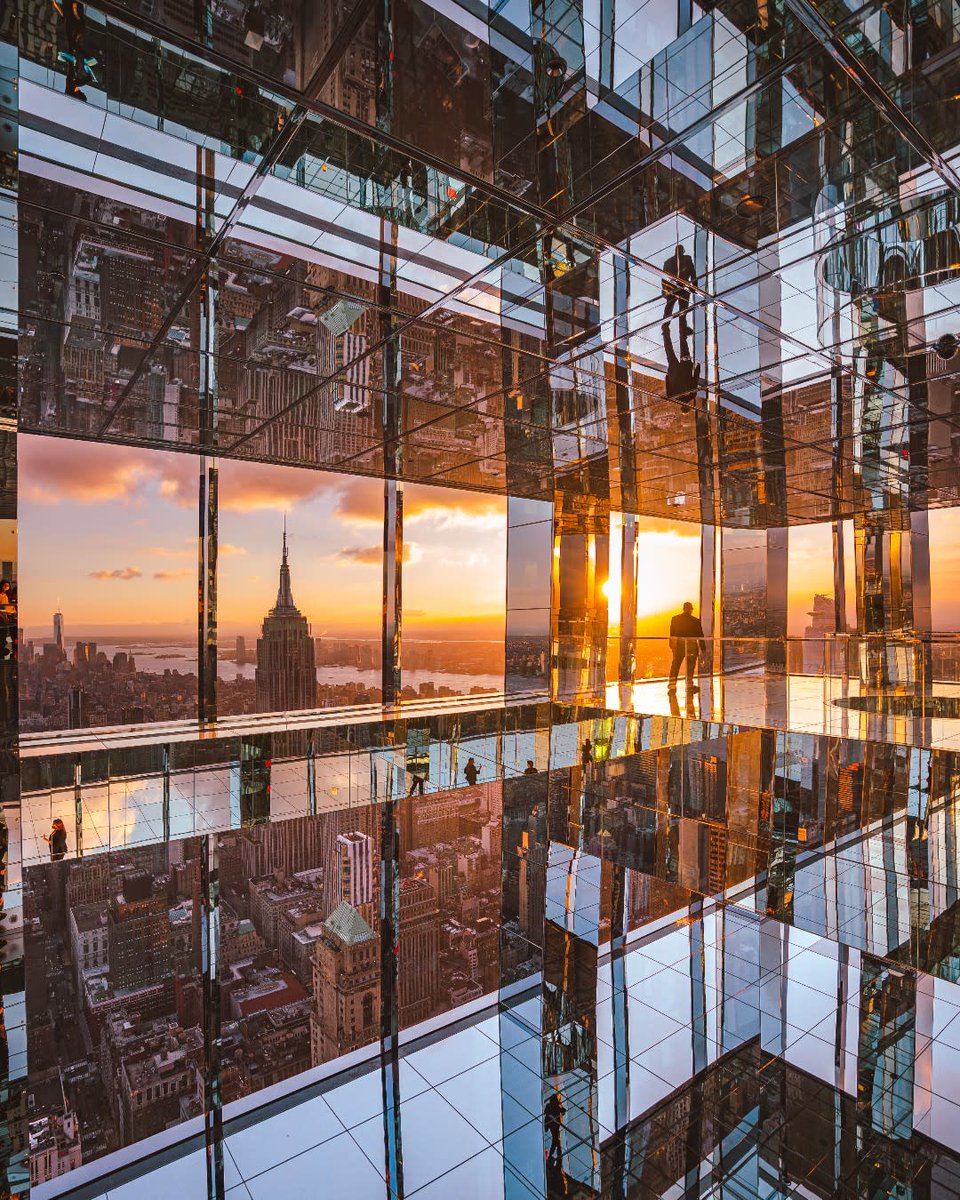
column 140, row 504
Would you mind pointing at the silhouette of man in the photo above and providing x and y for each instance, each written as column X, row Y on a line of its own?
column 686, row 642
column 552, row 1122
column 683, row 374
column 680, row 266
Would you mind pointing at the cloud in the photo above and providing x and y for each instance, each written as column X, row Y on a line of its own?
column 53, row 470
column 360, row 501
column 225, row 550
column 373, row 555
column 443, row 508
column 124, row 573
column 185, row 573
column 248, row 487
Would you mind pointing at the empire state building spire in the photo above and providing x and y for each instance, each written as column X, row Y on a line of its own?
column 285, row 591
column 286, row 671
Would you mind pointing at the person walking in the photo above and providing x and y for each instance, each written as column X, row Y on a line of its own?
column 687, row 644
column 417, row 782
column 552, row 1123
column 681, row 267
column 471, row 772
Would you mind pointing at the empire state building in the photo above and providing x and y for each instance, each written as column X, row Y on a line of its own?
column 286, row 666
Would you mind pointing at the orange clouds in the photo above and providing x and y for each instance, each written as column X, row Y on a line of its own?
column 54, row 469
column 122, row 573
column 165, row 576
column 371, row 555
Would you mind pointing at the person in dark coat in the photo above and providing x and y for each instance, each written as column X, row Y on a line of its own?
column 687, row 644
column 681, row 267
column 57, row 840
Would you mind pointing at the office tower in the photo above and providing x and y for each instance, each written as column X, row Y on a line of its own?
column 346, row 986
column 354, row 873
column 79, row 714
column 138, row 933
column 58, row 633
column 419, row 951
column 241, row 657
column 286, row 672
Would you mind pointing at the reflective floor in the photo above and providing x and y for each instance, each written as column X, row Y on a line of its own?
column 732, row 1057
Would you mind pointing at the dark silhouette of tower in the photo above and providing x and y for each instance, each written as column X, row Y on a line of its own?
column 286, row 667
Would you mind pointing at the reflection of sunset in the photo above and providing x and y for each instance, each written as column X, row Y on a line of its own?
column 668, row 571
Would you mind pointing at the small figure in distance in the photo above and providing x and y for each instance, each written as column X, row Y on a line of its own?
column 471, row 772
column 680, row 266
column 530, row 768
column 57, row 840
column 687, row 644
column 417, row 784
column 586, row 753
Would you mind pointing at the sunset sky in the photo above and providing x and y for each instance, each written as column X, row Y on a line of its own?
column 110, row 533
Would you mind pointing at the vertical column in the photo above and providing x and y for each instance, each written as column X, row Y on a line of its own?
column 210, row 964
column 529, row 579
column 208, row 405
column 14, row 1169
column 391, row 418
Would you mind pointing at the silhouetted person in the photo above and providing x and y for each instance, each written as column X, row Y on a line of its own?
column 552, row 1122
column 417, row 784
column 686, row 642
column 683, row 374
column 79, row 63
column 586, row 753
column 530, row 768
column 471, row 771
column 57, row 840
column 680, row 265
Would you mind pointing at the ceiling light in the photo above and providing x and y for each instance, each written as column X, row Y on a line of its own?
column 556, row 67
column 946, row 346
column 752, row 205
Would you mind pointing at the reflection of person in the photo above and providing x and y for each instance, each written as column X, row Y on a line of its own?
column 686, row 642
column 471, row 771
column 8, row 608
column 552, row 1121
column 586, row 753
column 683, row 374
column 57, row 840
column 530, row 768
column 680, row 266
column 416, row 784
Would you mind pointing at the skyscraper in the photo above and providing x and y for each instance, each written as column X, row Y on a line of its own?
column 58, row 632
column 286, row 663
column 354, row 868
column 346, row 986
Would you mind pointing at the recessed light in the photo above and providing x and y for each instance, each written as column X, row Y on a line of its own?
column 752, row 205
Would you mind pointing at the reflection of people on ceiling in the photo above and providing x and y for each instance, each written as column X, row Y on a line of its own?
column 683, row 374
column 79, row 63
column 677, row 270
